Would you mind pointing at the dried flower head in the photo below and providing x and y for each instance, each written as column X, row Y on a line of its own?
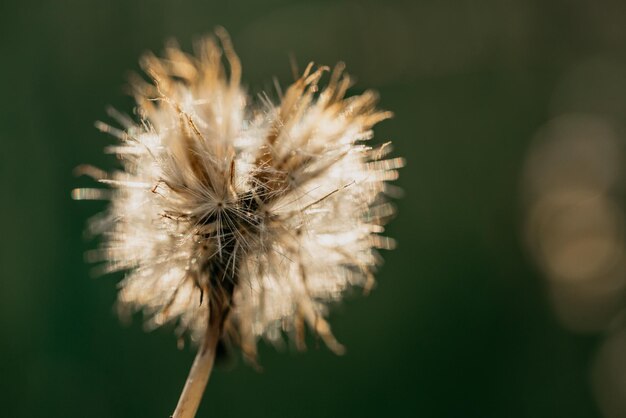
column 244, row 218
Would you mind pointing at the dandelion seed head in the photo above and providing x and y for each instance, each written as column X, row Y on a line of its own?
column 254, row 213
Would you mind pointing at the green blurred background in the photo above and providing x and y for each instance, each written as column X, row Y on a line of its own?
column 460, row 324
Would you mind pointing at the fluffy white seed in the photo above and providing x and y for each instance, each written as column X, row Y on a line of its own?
column 254, row 214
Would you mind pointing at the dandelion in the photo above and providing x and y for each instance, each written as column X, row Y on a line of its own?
column 239, row 220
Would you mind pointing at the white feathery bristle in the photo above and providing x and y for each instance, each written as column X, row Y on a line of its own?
column 261, row 213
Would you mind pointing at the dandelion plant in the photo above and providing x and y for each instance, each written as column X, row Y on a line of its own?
column 239, row 219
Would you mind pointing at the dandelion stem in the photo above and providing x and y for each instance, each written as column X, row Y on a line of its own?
column 191, row 396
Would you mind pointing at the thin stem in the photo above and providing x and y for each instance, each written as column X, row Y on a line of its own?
column 191, row 396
